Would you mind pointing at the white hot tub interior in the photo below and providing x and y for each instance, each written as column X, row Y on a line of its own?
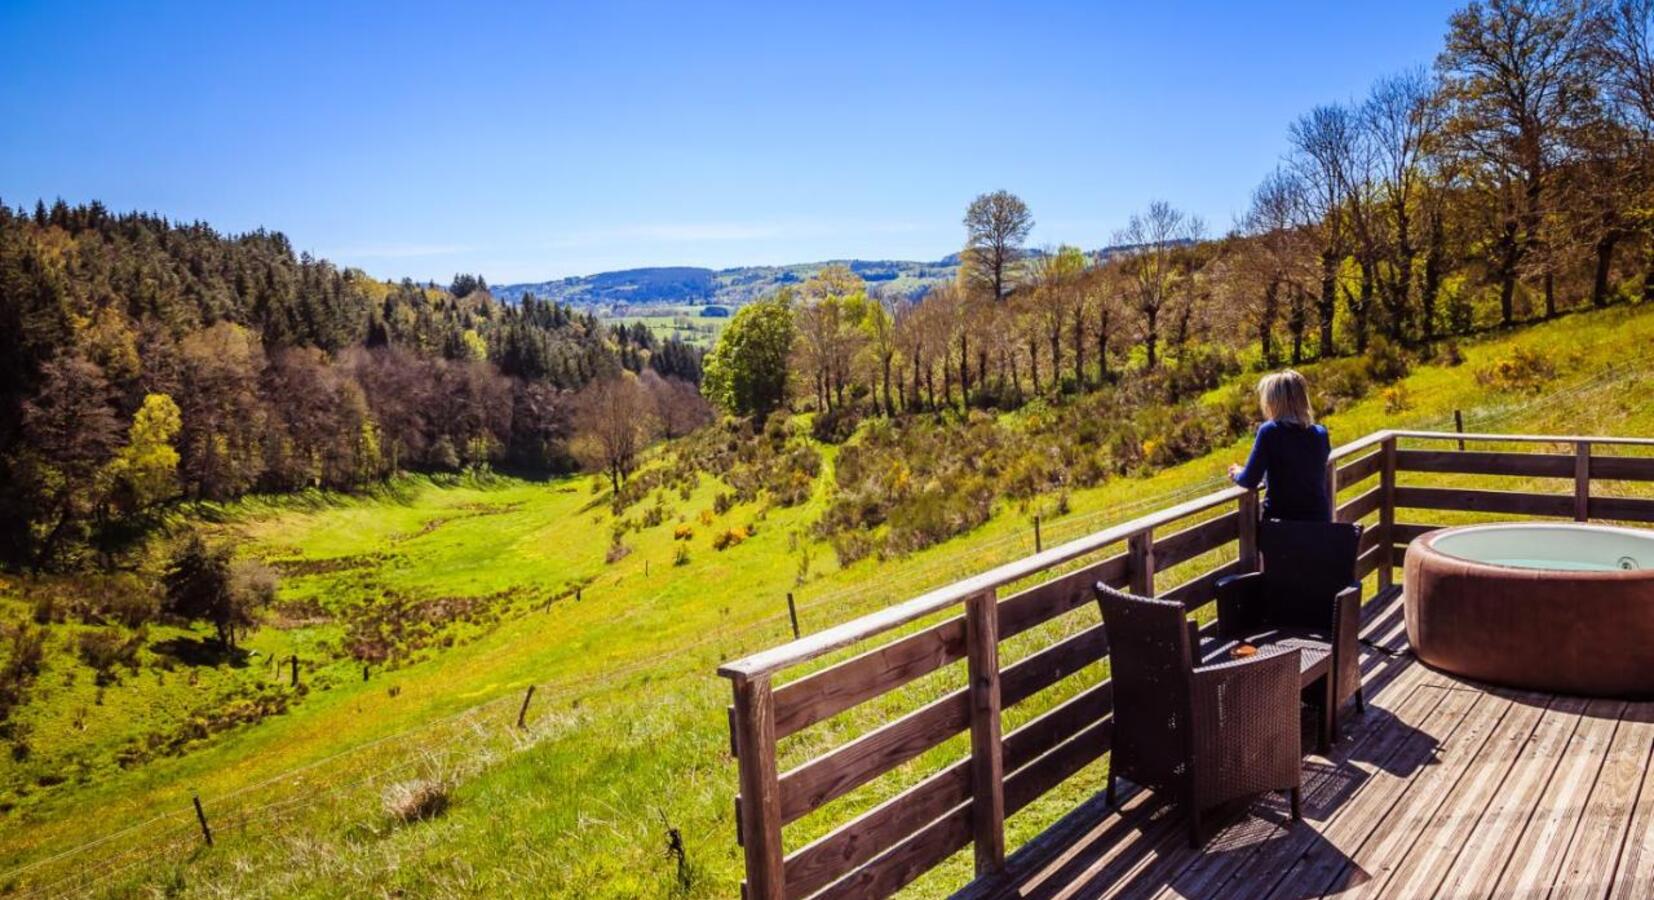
column 1567, row 547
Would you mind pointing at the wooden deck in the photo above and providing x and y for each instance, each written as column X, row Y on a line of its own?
column 1442, row 789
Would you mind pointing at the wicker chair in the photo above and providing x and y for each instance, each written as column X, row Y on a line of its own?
column 1307, row 596
column 1203, row 734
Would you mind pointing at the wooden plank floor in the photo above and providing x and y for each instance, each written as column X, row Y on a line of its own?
column 1444, row 788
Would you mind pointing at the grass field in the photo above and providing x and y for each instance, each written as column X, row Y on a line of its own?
column 625, row 736
column 686, row 324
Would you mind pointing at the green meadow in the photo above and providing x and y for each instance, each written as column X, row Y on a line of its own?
column 488, row 585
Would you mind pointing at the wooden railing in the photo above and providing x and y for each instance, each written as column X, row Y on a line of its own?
column 967, row 801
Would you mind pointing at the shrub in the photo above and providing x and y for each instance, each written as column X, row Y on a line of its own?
column 1385, row 363
column 105, row 648
column 837, row 426
column 617, row 551
column 1525, row 371
column 683, row 533
column 681, row 556
column 417, row 800
column 1396, row 399
column 707, row 517
column 851, row 546
column 726, row 539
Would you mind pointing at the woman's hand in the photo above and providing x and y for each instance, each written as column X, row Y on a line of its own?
column 1235, row 469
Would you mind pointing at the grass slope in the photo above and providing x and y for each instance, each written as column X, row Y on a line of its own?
column 625, row 737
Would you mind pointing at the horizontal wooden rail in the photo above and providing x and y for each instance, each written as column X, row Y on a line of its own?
column 964, row 802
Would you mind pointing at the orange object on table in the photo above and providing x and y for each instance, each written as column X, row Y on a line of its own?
column 1243, row 651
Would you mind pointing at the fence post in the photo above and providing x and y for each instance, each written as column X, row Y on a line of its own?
column 1248, row 534
column 792, row 614
column 1387, row 515
column 760, row 806
column 1458, row 425
column 522, row 713
column 1582, row 481
column 987, row 760
column 1039, row 545
column 201, row 816
column 1140, row 559
column 295, row 662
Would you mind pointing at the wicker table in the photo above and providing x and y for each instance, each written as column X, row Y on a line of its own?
column 1314, row 667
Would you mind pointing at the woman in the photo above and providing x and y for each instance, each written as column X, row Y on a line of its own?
column 1289, row 454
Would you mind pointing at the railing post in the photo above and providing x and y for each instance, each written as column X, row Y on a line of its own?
column 1140, row 560
column 760, row 811
column 1582, row 480
column 1332, row 488
column 1248, row 535
column 987, row 760
column 1387, row 515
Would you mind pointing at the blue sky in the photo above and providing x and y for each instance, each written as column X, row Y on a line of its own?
column 537, row 141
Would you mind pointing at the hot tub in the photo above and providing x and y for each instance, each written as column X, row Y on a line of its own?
column 1565, row 608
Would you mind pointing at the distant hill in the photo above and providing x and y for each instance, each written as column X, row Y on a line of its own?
column 725, row 287
column 687, row 285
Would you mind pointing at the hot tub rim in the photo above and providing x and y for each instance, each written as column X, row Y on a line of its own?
column 1428, row 539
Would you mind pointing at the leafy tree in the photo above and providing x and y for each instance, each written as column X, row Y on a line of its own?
column 202, row 585
column 996, row 225
column 70, row 433
column 746, row 372
column 145, row 471
column 614, row 419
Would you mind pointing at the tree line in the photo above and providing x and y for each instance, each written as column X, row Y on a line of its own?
column 144, row 362
column 1509, row 182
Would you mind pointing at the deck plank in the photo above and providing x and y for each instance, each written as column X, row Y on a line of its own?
column 1416, row 746
column 1538, row 856
column 1368, row 870
column 1483, row 857
column 1437, row 845
column 1634, row 869
column 1588, row 869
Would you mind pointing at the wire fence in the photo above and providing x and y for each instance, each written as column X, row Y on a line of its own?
column 466, row 741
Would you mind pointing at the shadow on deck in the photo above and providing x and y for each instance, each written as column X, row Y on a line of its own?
column 1442, row 788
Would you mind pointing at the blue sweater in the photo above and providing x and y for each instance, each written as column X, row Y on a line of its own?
column 1292, row 461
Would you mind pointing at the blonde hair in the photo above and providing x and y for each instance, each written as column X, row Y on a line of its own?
column 1284, row 397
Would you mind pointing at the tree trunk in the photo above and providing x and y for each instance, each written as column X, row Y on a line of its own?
column 1151, row 337
column 1361, row 306
column 1079, row 348
column 1510, row 255
column 1329, row 300
column 1604, row 268
column 1266, row 322
column 1648, row 277
column 1102, row 347
column 889, row 407
column 1432, row 280
column 1033, row 360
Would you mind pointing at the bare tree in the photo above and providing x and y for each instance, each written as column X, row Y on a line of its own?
column 1514, row 72
column 1274, row 261
column 1323, row 148
column 1401, row 114
column 1153, row 263
column 614, row 419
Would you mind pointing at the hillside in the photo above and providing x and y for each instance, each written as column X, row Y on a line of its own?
column 667, row 286
column 495, row 584
column 680, row 286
